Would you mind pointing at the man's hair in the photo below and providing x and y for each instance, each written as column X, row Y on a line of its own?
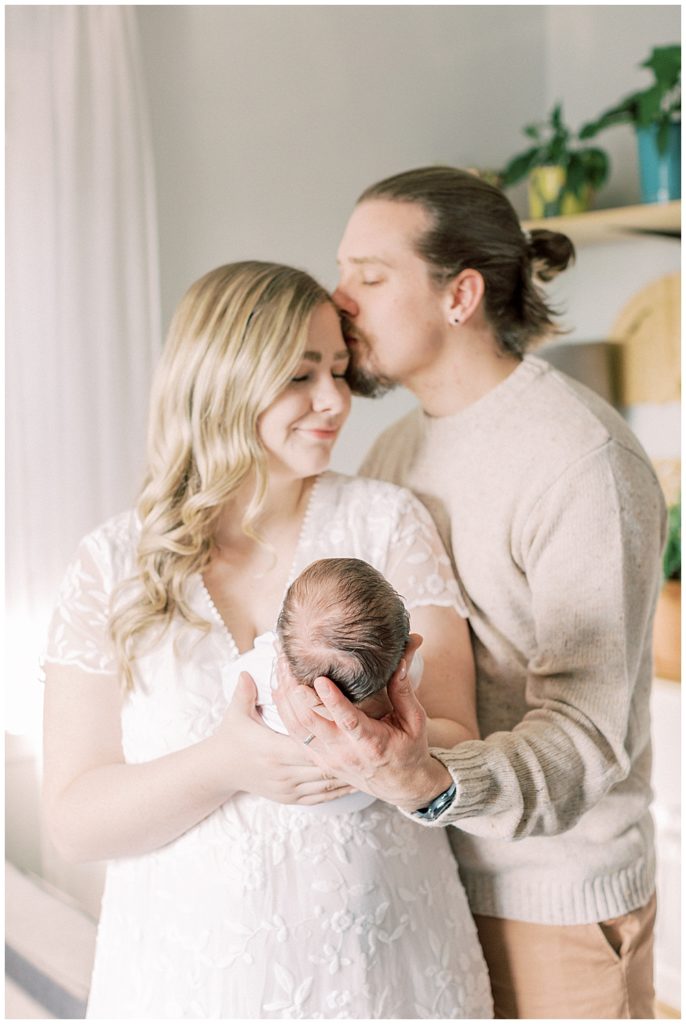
column 473, row 225
column 342, row 619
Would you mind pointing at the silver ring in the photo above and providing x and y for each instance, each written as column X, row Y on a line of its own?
column 308, row 739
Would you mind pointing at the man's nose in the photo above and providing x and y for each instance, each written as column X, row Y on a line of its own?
column 345, row 303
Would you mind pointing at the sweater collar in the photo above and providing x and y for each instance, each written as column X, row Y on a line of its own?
column 494, row 403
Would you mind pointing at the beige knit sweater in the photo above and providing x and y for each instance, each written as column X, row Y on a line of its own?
column 556, row 521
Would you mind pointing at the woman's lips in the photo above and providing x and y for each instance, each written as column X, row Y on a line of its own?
column 320, row 434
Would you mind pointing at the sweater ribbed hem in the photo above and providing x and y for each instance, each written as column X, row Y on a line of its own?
column 560, row 903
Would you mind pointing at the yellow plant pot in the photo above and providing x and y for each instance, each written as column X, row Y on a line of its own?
column 667, row 632
column 547, row 195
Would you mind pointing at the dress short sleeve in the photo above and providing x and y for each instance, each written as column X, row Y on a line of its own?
column 419, row 567
column 78, row 633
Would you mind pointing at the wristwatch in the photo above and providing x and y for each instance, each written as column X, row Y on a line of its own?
column 437, row 806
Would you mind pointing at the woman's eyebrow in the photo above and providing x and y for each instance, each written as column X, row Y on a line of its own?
column 316, row 357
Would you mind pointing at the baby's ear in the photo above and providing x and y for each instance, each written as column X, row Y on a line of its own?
column 414, row 642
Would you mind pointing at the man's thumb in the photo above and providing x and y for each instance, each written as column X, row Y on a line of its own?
column 404, row 700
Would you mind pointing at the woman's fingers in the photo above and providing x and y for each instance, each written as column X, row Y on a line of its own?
column 323, row 798
column 245, row 693
column 312, row 785
column 329, row 788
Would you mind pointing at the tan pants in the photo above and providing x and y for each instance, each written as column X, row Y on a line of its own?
column 574, row 971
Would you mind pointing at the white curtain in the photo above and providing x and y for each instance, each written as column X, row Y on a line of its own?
column 82, row 304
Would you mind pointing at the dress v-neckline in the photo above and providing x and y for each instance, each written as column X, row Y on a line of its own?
column 216, row 614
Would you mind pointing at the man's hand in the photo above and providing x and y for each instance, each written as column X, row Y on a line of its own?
column 259, row 761
column 388, row 758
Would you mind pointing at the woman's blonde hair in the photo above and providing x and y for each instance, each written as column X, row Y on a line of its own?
column 234, row 342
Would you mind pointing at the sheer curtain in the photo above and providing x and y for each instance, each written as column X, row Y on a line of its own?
column 82, row 304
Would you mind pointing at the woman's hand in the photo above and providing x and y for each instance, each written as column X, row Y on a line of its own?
column 265, row 763
column 388, row 758
column 98, row 806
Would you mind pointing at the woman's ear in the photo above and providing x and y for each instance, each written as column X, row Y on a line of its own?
column 464, row 295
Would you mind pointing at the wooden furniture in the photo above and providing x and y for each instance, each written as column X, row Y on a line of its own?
column 598, row 226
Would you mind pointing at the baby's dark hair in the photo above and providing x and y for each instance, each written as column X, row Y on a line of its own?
column 341, row 618
column 473, row 224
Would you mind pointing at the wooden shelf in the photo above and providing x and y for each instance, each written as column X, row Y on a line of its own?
column 609, row 225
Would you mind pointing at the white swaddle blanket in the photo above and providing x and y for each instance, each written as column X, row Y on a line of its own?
column 260, row 663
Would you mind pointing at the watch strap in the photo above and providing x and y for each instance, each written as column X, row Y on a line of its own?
column 437, row 805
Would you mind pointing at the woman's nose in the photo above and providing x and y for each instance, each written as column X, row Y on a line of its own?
column 345, row 303
column 328, row 396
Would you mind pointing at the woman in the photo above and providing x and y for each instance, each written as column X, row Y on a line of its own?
column 225, row 895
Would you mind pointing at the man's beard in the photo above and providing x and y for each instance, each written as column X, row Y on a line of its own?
column 365, row 383
column 361, row 380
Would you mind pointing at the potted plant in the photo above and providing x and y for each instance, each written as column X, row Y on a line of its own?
column 655, row 113
column 563, row 175
column 667, row 631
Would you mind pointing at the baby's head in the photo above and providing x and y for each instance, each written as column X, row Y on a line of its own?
column 342, row 619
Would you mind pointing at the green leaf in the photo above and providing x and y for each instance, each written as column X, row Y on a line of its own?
column 648, row 106
column 665, row 63
column 557, row 145
column 557, row 151
column 622, row 113
column 671, row 563
column 596, row 166
column 520, row 166
column 575, row 180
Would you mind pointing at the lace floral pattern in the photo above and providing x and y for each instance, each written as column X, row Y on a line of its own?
column 268, row 912
column 265, row 910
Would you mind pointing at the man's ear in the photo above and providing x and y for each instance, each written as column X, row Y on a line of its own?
column 464, row 296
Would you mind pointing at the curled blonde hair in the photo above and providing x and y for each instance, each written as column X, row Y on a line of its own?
column 234, row 342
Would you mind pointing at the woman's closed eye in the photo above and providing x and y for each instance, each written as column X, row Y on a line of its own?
column 306, row 376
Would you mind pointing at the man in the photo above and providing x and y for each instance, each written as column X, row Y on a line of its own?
column 556, row 521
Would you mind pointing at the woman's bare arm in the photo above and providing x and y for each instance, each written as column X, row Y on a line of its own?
column 447, row 690
column 99, row 807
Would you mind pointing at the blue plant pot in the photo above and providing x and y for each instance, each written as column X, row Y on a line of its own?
column 660, row 172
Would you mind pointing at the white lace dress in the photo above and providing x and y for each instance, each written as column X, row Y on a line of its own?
column 264, row 910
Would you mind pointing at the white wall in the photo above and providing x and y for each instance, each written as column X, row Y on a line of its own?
column 269, row 121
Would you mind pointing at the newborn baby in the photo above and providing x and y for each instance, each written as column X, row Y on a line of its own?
column 341, row 618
